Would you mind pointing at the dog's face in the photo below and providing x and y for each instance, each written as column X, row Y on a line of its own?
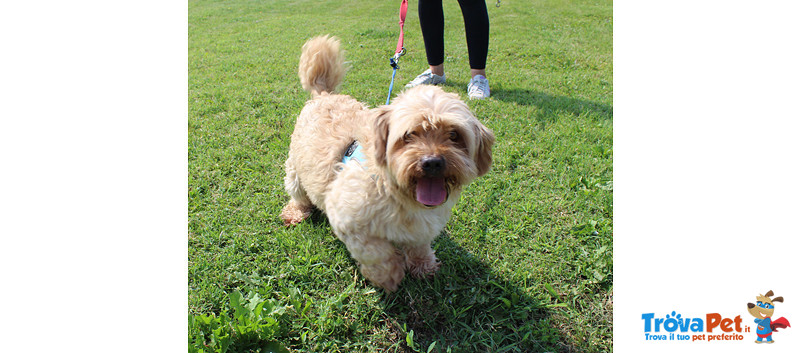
column 764, row 306
column 431, row 144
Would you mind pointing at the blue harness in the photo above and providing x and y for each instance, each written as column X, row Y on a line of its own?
column 355, row 152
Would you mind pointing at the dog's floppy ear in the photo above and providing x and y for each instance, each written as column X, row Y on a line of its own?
column 769, row 294
column 483, row 153
column 778, row 299
column 381, row 134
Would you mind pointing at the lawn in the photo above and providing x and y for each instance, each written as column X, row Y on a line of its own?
column 526, row 257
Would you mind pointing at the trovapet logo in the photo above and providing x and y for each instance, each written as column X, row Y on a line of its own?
column 673, row 327
column 715, row 326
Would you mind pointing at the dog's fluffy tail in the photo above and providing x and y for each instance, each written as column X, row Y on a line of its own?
column 321, row 65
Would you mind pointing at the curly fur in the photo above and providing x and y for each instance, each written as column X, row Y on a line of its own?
column 373, row 208
column 321, row 66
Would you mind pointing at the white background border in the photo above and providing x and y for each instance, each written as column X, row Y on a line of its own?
column 93, row 171
column 706, row 165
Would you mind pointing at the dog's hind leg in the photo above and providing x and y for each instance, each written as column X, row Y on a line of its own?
column 299, row 206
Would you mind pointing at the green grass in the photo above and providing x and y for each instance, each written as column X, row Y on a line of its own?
column 526, row 257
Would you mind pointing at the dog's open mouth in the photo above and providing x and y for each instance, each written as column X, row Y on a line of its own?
column 431, row 191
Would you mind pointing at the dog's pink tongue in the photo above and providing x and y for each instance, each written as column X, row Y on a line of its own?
column 431, row 191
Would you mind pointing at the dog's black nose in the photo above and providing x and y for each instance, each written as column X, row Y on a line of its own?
column 750, row 305
column 432, row 165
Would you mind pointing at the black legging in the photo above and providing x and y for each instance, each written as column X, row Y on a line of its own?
column 476, row 24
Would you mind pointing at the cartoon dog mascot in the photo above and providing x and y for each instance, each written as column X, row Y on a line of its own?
column 762, row 311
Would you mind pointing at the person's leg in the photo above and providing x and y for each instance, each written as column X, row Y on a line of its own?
column 474, row 72
column 431, row 22
column 476, row 25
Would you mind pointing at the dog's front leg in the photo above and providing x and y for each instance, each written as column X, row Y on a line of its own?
column 380, row 261
column 420, row 260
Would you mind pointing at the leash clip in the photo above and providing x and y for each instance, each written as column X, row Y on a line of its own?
column 394, row 59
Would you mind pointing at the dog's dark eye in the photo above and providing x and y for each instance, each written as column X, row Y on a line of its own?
column 453, row 135
column 407, row 137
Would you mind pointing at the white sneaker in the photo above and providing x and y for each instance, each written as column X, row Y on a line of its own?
column 478, row 87
column 426, row 78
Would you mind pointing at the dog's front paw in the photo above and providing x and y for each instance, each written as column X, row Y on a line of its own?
column 421, row 261
column 425, row 267
column 387, row 274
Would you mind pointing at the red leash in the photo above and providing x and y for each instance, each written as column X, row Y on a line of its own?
column 400, row 51
column 403, row 11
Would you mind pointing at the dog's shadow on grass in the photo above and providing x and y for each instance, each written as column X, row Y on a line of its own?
column 318, row 218
column 466, row 307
